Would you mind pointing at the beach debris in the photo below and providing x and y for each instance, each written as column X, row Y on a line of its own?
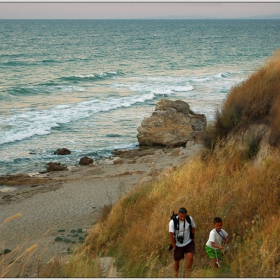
column 145, row 159
column 63, row 151
column 172, row 123
column 73, row 168
column 107, row 161
column 34, row 174
column 159, row 152
column 118, row 160
column 7, row 189
column 85, row 161
column 37, row 174
column 175, row 152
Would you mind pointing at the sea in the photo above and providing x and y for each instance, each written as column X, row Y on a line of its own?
column 86, row 85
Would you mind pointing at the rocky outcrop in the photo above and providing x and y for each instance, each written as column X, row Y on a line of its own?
column 254, row 140
column 85, row 161
column 132, row 153
column 171, row 124
column 62, row 151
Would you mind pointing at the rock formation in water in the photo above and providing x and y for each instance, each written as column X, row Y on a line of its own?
column 171, row 124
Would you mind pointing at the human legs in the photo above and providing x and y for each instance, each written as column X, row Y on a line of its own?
column 214, row 263
column 179, row 254
column 214, row 256
column 189, row 263
column 176, row 268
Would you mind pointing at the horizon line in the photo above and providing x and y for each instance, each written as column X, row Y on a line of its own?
column 150, row 18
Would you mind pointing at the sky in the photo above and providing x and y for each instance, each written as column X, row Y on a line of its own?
column 137, row 10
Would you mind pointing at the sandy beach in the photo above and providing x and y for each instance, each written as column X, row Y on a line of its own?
column 66, row 204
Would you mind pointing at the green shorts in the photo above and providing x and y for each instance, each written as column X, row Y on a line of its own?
column 212, row 254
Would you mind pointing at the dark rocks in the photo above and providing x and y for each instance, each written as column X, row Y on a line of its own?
column 20, row 179
column 132, row 153
column 55, row 166
column 62, row 151
column 86, row 161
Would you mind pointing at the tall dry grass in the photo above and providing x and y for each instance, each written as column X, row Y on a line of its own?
column 256, row 99
column 21, row 262
column 225, row 185
column 14, row 263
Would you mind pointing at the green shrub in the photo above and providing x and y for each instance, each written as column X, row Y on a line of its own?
column 58, row 239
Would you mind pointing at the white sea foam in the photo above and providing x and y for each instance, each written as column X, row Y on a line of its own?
column 86, row 76
column 28, row 123
column 219, row 75
column 169, row 85
column 99, row 75
column 157, row 85
column 201, row 79
column 53, row 89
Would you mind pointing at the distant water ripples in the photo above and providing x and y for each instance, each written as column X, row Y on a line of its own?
column 87, row 85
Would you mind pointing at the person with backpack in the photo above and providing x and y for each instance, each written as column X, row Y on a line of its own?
column 182, row 232
column 214, row 246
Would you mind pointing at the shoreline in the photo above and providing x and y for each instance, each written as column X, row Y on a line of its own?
column 55, row 204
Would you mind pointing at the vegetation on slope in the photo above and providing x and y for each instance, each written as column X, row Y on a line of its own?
column 255, row 100
column 223, row 184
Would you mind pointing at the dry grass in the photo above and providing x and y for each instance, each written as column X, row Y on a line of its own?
column 14, row 263
column 22, row 262
column 227, row 185
column 257, row 99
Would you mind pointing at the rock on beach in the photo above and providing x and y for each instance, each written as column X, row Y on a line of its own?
column 85, row 161
column 55, row 166
column 171, row 124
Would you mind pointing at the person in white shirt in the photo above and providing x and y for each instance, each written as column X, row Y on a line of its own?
column 214, row 246
column 182, row 239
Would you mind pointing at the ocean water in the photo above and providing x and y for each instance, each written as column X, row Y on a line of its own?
column 86, row 85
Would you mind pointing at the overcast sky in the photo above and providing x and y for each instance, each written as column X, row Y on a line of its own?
column 136, row 10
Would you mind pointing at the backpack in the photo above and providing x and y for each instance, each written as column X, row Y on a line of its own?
column 176, row 225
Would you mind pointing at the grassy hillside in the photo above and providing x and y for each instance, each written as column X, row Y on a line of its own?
column 256, row 100
column 221, row 182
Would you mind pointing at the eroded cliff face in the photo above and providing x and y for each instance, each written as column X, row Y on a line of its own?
column 171, row 124
column 255, row 140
